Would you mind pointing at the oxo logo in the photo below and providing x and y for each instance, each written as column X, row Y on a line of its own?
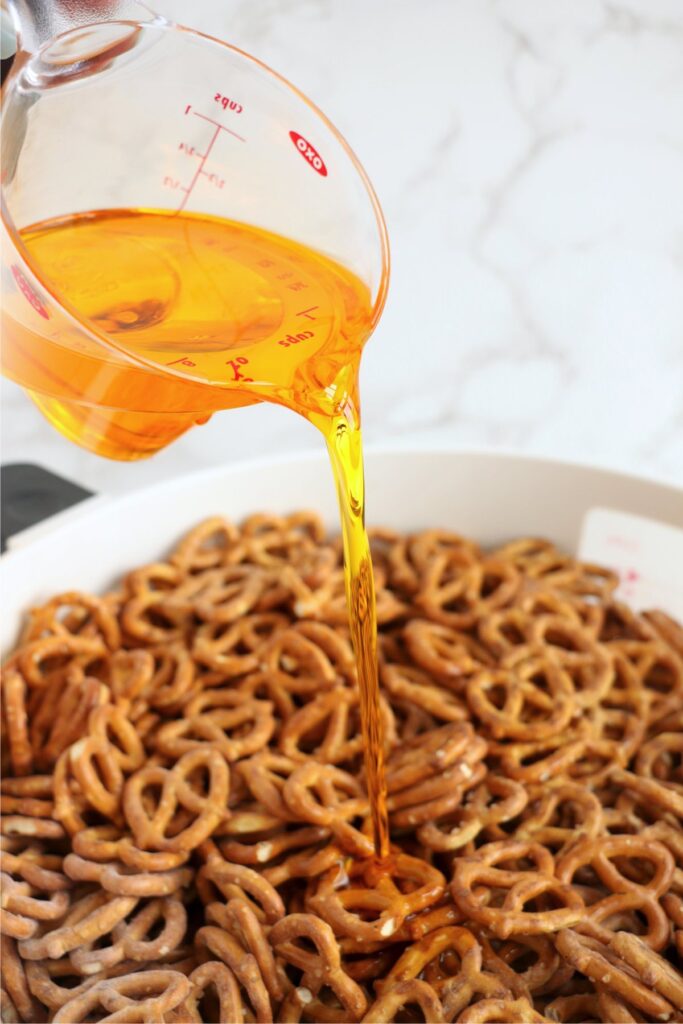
column 309, row 153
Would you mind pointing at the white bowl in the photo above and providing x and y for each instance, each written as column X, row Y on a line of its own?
column 488, row 496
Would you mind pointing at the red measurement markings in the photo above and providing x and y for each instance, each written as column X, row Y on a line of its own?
column 294, row 339
column 218, row 125
column 228, row 104
column 307, row 312
column 183, row 361
column 28, row 291
column 187, row 147
column 188, row 189
column 211, row 176
column 235, row 365
column 214, row 179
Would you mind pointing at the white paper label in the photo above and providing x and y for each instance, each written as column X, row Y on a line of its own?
column 647, row 554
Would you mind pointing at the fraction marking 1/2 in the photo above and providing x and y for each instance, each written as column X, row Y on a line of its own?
column 218, row 128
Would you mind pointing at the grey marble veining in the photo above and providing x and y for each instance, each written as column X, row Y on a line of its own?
column 528, row 155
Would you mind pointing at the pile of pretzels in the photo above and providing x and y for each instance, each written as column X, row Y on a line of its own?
column 185, row 830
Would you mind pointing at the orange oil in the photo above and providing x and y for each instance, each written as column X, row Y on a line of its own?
column 215, row 314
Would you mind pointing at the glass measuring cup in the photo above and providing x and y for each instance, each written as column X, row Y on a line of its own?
column 132, row 112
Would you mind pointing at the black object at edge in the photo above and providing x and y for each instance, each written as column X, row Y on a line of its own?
column 29, row 494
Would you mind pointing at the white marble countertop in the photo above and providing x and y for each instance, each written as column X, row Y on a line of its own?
column 529, row 158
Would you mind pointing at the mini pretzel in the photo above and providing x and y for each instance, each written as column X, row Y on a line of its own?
column 209, row 544
column 659, row 668
column 333, row 718
column 450, row 959
column 236, row 880
column 308, row 863
column 129, row 938
column 63, row 715
column 456, row 593
column 617, row 734
column 523, row 761
column 17, row 926
column 443, row 652
column 368, row 903
column 428, row 775
column 270, row 848
column 405, row 682
column 147, row 618
column 220, row 595
column 22, row 899
column 33, row 828
column 322, row 967
column 476, row 878
column 581, row 1007
column 243, row 965
column 266, row 774
column 653, row 969
column 529, row 711
column 216, row 974
column 232, row 649
column 26, row 807
column 625, row 911
column 385, row 1008
column 150, row 829
column 601, row 854
column 238, row 919
column 88, row 919
column 426, row 755
column 122, row 881
column 577, row 652
column 68, row 650
column 271, row 687
column 657, row 758
column 326, row 796
column 485, row 808
column 593, row 960
column 15, row 983
column 305, row 663
column 434, row 797
column 37, row 787
column 105, row 843
column 98, row 773
column 334, row 643
column 41, row 870
column 650, row 791
column 503, row 632
column 507, row 1011
column 14, row 711
column 173, row 678
column 134, row 997
column 455, row 946
column 666, row 628
column 234, row 726
column 427, row 545
column 44, row 978
column 542, row 821
column 529, row 965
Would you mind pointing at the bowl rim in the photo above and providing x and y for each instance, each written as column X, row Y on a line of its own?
column 382, row 451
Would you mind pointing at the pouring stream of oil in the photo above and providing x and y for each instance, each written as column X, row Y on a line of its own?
column 223, row 314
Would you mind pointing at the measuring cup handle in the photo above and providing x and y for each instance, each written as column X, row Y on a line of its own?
column 27, row 24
